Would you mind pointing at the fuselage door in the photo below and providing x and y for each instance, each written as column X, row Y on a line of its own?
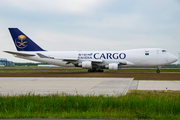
column 157, row 56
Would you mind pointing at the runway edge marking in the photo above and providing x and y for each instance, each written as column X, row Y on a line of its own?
column 127, row 87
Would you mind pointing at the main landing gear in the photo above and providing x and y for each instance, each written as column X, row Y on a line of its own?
column 94, row 70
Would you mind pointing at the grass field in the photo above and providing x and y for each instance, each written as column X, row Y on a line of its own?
column 137, row 74
column 136, row 104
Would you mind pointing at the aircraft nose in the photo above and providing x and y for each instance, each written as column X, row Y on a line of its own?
column 172, row 58
column 175, row 58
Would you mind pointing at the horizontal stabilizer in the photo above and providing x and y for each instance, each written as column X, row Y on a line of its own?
column 19, row 54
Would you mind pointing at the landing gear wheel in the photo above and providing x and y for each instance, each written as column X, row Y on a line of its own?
column 158, row 71
column 101, row 70
column 92, row 70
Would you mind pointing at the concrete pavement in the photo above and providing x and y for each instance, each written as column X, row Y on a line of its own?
column 82, row 86
column 158, row 85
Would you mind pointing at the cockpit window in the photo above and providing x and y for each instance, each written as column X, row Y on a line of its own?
column 163, row 50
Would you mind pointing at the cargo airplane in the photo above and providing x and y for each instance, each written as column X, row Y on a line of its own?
column 94, row 61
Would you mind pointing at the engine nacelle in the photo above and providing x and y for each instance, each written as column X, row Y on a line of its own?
column 113, row 66
column 87, row 64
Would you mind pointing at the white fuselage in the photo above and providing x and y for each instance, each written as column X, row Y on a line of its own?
column 133, row 58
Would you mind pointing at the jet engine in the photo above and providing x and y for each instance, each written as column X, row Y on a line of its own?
column 112, row 66
column 87, row 64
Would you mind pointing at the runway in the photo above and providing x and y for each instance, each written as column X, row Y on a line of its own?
column 81, row 86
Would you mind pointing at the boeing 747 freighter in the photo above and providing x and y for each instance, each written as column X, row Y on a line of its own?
column 94, row 61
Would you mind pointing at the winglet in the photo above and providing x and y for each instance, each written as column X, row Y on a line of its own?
column 22, row 41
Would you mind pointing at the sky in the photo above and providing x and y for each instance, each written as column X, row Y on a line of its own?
column 91, row 25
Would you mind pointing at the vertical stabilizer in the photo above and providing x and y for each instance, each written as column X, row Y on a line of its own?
column 22, row 41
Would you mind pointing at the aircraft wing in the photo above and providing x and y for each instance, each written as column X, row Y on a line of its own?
column 101, row 61
column 19, row 54
column 70, row 59
column 64, row 59
column 97, row 61
column 44, row 56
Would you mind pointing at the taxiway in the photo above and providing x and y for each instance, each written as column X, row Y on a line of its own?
column 81, row 86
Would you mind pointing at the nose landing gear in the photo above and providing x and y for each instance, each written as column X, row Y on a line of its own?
column 158, row 70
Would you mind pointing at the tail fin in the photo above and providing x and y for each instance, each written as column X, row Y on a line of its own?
column 23, row 42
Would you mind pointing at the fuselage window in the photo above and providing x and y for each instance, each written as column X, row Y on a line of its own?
column 163, row 50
